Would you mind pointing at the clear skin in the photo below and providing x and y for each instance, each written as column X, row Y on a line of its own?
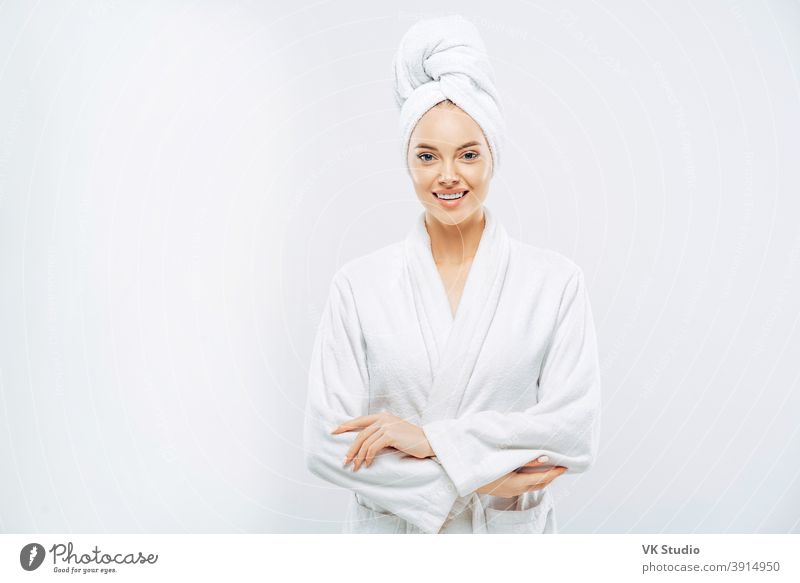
column 437, row 161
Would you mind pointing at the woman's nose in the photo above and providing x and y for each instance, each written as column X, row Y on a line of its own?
column 447, row 177
column 448, row 173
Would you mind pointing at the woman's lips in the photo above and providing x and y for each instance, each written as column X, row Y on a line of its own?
column 451, row 203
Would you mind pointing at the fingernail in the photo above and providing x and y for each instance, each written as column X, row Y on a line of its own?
column 544, row 459
column 345, row 461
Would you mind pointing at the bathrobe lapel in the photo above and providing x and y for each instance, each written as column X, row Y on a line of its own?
column 454, row 344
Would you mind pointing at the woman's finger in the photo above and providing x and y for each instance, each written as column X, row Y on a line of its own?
column 542, row 459
column 360, row 438
column 545, row 477
column 375, row 447
column 362, row 451
column 356, row 423
column 542, row 479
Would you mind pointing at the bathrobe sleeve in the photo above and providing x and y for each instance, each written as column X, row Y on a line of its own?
column 564, row 424
column 417, row 490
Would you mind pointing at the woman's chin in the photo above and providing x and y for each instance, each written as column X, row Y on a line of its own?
column 452, row 216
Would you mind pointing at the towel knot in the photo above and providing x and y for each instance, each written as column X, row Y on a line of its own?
column 445, row 58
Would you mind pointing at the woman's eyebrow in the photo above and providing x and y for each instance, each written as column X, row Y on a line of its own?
column 467, row 145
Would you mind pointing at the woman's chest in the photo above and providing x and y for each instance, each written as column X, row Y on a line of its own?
column 453, row 279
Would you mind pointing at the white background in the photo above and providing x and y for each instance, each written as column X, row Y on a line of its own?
column 179, row 181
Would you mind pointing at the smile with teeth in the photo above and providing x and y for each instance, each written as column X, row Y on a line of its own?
column 453, row 196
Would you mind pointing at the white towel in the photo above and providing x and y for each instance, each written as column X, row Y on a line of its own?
column 445, row 58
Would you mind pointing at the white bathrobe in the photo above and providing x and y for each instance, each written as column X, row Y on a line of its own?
column 513, row 376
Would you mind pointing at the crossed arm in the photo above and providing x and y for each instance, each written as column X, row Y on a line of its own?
column 384, row 430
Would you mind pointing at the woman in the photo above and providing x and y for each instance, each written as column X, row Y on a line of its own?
column 451, row 367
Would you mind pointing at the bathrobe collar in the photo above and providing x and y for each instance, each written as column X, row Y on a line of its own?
column 453, row 344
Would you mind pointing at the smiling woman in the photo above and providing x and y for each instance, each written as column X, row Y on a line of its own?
column 456, row 370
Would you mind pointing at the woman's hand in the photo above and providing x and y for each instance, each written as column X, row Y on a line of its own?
column 383, row 430
column 515, row 483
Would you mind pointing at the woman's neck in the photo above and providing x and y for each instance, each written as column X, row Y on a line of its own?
column 455, row 244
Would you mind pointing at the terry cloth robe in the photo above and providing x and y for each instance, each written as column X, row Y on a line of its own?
column 513, row 376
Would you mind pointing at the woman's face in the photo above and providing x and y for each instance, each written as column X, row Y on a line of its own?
column 448, row 153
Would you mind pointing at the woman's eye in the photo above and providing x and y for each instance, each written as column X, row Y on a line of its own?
column 474, row 153
column 425, row 159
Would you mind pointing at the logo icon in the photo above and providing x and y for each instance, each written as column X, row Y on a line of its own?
column 31, row 556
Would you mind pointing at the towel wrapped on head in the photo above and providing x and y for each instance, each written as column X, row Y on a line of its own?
column 445, row 58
